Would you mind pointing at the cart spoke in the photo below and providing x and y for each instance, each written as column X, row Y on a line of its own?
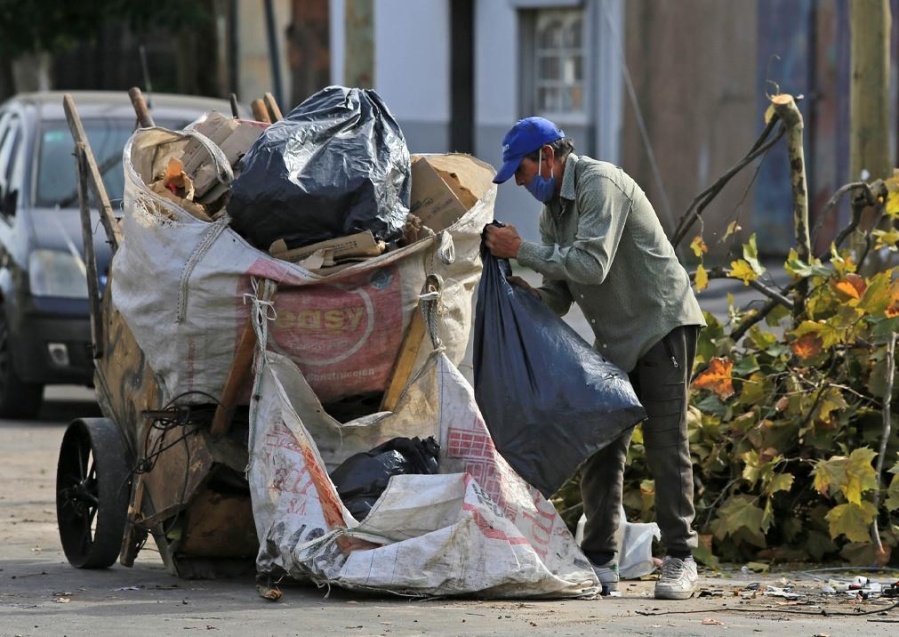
column 82, row 463
column 87, row 537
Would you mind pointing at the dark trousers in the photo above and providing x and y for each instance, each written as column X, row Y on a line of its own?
column 661, row 380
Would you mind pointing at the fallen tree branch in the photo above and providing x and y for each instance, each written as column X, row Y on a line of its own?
column 785, row 107
column 703, row 199
column 885, row 436
column 830, row 206
column 721, row 273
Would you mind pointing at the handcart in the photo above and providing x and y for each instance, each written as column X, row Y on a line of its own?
column 173, row 381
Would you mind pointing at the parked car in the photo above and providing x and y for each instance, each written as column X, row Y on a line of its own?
column 45, row 335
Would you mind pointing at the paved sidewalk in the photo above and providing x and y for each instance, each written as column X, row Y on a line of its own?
column 41, row 594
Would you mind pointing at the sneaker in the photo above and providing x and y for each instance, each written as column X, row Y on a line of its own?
column 678, row 579
column 608, row 577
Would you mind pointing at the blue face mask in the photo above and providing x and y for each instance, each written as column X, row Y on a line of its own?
column 541, row 188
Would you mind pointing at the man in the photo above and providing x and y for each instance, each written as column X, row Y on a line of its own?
column 604, row 249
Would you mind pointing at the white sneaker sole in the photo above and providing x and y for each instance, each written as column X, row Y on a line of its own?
column 674, row 594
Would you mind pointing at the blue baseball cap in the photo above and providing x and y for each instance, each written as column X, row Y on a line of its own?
column 525, row 137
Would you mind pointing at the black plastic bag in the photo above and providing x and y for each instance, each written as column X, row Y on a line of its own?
column 362, row 478
column 549, row 399
column 336, row 165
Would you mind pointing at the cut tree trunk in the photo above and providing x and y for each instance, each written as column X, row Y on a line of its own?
column 786, row 109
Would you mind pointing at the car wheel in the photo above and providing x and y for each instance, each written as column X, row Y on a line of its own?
column 93, row 487
column 18, row 399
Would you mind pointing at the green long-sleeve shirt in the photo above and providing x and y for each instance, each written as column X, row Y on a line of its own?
column 604, row 249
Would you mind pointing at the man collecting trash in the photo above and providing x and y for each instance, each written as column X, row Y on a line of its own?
column 604, row 249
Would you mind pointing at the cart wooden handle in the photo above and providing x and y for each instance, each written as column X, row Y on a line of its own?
column 405, row 360
column 237, row 377
column 260, row 112
column 271, row 105
column 140, row 107
column 107, row 217
column 90, row 258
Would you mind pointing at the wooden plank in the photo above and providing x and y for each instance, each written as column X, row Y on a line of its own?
column 260, row 112
column 90, row 258
column 140, row 107
column 271, row 105
column 107, row 217
column 403, row 367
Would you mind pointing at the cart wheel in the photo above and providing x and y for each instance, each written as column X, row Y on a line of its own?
column 93, row 487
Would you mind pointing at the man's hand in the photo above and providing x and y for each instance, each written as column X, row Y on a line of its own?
column 524, row 285
column 503, row 241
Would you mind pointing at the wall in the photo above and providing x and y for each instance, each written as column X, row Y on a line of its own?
column 255, row 76
column 496, row 105
column 412, row 50
column 693, row 64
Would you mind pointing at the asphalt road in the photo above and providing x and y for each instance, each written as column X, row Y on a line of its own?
column 41, row 594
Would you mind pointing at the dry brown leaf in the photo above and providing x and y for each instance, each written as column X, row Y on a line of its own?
column 807, row 346
column 717, row 378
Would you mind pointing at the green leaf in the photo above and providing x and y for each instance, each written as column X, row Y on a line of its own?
column 830, row 475
column 752, row 472
column 892, row 501
column 831, row 400
column 751, row 255
column 828, row 333
column 877, row 294
column 882, row 328
column 886, row 238
column 779, row 482
column 761, row 339
column 818, row 545
column 852, row 520
column 711, row 404
column 860, row 475
column 746, row 365
column 706, row 557
column 776, row 315
column 742, row 270
column 739, row 513
column 800, row 269
column 755, row 389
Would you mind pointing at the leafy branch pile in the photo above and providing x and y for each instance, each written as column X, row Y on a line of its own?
column 795, row 456
column 787, row 426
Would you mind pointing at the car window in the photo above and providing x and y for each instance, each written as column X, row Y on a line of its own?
column 57, row 177
column 57, row 181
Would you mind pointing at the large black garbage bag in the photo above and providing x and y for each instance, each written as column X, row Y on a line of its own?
column 549, row 399
column 336, row 165
column 362, row 478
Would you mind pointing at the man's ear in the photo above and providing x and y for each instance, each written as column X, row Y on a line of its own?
column 549, row 155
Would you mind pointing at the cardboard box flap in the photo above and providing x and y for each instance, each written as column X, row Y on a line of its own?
column 361, row 244
column 469, row 177
column 445, row 187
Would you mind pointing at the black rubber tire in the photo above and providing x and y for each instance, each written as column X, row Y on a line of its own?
column 18, row 399
column 93, row 489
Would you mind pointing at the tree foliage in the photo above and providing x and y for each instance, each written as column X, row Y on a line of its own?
column 787, row 424
column 33, row 26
